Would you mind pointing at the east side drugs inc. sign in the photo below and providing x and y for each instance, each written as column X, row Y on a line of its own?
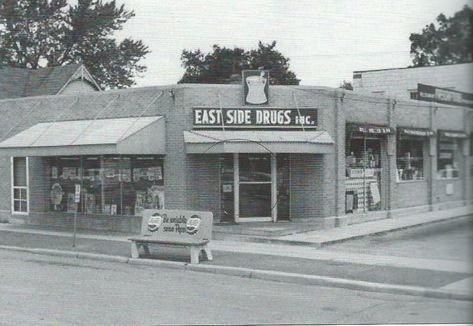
column 255, row 118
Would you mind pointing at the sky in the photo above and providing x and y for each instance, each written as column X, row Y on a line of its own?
column 325, row 40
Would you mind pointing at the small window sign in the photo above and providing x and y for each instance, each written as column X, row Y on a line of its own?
column 77, row 194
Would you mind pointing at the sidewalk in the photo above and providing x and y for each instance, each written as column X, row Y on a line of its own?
column 278, row 261
column 281, row 259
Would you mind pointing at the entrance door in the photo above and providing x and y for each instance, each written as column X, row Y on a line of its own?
column 255, row 187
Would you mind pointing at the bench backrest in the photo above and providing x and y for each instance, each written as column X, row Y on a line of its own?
column 176, row 225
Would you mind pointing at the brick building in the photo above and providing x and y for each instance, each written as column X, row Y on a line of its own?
column 295, row 153
column 402, row 83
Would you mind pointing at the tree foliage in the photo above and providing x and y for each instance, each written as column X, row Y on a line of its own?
column 39, row 33
column 222, row 64
column 449, row 41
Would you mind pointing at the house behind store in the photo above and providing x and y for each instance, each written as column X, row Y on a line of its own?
column 312, row 154
column 22, row 82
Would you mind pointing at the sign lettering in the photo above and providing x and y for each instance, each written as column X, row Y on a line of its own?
column 255, row 117
column 444, row 95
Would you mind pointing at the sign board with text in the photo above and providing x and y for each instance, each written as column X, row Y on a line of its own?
column 176, row 225
column 444, row 95
column 255, row 118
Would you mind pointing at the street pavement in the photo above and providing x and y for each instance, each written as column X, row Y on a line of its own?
column 45, row 290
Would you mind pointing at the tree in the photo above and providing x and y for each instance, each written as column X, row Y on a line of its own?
column 222, row 65
column 39, row 33
column 346, row 85
column 449, row 41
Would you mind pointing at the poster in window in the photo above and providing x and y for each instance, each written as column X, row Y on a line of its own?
column 113, row 209
column 56, row 194
column 107, row 209
column 71, row 205
column 156, row 196
column 374, row 190
column 149, row 174
column 125, row 175
column 137, row 172
column 109, row 173
column 140, row 202
column 90, row 203
column 54, row 172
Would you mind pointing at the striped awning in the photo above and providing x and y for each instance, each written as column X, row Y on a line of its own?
column 257, row 141
column 453, row 134
column 415, row 132
column 138, row 135
column 369, row 129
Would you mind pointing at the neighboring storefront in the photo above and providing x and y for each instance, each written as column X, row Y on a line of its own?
column 365, row 148
column 248, row 154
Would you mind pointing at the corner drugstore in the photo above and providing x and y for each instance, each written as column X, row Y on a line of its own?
column 276, row 153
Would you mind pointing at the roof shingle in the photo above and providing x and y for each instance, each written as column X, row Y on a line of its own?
column 22, row 82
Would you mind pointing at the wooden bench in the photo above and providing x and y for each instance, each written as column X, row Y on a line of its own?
column 175, row 228
column 196, row 247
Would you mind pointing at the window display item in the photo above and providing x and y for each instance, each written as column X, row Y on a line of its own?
column 90, row 203
column 56, row 194
column 71, row 205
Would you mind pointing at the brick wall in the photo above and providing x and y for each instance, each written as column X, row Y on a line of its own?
column 191, row 181
column 203, row 183
column 398, row 82
column 307, row 197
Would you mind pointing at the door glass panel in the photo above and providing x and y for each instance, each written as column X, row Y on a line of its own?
column 255, row 200
column 255, row 167
column 255, row 185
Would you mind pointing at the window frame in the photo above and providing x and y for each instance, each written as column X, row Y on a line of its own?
column 13, row 188
column 421, row 140
column 455, row 157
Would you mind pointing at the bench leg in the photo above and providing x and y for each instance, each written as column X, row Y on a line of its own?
column 195, row 252
column 134, row 250
column 207, row 251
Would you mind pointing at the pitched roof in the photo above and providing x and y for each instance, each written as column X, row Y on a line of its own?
column 22, row 82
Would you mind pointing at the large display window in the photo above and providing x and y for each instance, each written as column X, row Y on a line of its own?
column 410, row 159
column 363, row 167
column 447, row 163
column 110, row 185
column 448, row 156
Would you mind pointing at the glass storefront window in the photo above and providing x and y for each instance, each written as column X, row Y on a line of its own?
column 363, row 175
column 410, row 159
column 447, row 160
column 110, row 185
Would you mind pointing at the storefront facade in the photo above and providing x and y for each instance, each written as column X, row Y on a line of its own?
column 295, row 153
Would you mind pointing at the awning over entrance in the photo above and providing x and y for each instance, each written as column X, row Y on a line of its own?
column 257, row 141
column 138, row 135
column 417, row 132
column 368, row 129
column 453, row 134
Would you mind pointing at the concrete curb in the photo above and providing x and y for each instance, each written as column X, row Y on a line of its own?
column 266, row 275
